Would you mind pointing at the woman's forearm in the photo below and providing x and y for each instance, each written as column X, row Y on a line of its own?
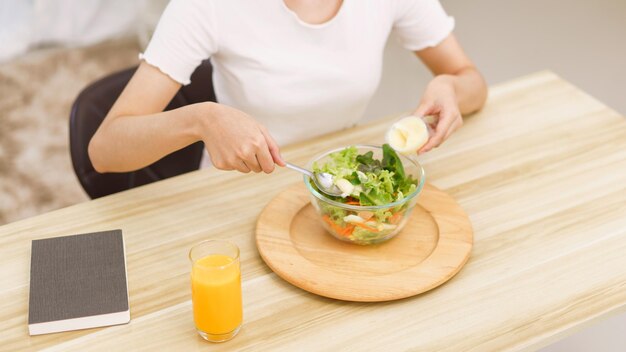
column 127, row 143
column 469, row 87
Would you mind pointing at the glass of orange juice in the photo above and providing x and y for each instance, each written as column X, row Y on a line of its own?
column 216, row 289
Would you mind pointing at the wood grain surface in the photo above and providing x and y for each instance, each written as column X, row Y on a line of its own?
column 541, row 171
column 433, row 246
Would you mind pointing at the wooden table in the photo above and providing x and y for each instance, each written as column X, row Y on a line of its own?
column 541, row 171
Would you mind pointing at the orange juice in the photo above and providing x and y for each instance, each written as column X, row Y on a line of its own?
column 216, row 294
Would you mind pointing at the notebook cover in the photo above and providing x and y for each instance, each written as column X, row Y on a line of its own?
column 77, row 282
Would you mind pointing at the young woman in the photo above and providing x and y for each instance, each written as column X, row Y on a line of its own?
column 284, row 70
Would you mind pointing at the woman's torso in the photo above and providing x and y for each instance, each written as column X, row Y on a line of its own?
column 298, row 79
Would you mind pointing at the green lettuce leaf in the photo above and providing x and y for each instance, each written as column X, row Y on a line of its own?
column 380, row 181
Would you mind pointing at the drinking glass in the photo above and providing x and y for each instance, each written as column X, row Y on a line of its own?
column 216, row 289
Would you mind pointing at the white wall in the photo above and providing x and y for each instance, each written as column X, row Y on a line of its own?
column 30, row 24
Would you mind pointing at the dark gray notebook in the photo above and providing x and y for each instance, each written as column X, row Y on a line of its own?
column 77, row 282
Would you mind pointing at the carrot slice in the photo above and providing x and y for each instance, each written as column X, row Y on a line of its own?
column 344, row 231
column 395, row 218
column 348, row 230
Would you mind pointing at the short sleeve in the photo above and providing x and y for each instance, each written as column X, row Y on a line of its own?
column 419, row 24
column 185, row 36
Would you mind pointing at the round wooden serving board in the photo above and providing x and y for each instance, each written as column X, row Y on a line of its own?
column 433, row 247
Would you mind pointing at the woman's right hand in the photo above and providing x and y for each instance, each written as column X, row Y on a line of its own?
column 236, row 141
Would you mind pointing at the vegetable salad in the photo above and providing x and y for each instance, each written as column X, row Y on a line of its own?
column 365, row 181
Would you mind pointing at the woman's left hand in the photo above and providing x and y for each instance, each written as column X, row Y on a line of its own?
column 440, row 101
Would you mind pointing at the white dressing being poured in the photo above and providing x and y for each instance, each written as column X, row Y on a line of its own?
column 408, row 135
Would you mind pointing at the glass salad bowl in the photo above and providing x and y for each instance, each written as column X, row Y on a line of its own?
column 386, row 210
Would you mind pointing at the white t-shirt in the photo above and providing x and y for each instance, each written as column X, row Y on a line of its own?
column 298, row 79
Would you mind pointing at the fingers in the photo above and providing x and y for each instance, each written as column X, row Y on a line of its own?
column 431, row 123
column 264, row 159
column 273, row 147
column 247, row 154
column 243, row 167
column 252, row 156
column 237, row 142
column 238, row 165
column 257, row 156
column 455, row 126
column 426, row 108
column 448, row 122
column 252, row 164
column 220, row 163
